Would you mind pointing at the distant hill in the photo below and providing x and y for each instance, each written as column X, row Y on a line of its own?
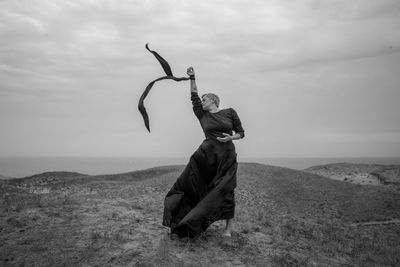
column 283, row 217
column 372, row 174
column 50, row 175
column 46, row 178
column 4, row 177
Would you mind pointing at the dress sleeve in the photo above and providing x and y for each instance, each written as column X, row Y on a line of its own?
column 197, row 107
column 237, row 124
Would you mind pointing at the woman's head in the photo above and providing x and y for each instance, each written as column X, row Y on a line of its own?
column 208, row 100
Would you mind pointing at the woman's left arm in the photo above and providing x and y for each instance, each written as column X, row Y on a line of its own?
column 237, row 126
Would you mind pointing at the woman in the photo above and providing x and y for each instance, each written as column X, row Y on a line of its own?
column 204, row 192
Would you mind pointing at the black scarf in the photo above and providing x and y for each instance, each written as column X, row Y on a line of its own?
column 168, row 71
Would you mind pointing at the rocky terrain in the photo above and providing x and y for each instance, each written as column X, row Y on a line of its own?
column 284, row 217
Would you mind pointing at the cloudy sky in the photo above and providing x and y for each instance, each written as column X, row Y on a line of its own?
column 307, row 78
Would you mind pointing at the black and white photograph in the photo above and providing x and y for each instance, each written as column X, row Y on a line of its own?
column 224, row 133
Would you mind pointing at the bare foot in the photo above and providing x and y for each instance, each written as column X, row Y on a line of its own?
column 228, row 227
column 227, row 233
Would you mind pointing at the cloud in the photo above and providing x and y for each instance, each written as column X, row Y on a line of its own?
column 88, row 57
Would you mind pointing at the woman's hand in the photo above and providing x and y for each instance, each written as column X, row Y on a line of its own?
column 225, row 139
column 190, row 71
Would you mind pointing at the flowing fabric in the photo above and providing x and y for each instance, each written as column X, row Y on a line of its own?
column 167, row 69
column 204, row 192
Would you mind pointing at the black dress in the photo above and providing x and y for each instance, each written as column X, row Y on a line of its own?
column 204, row 191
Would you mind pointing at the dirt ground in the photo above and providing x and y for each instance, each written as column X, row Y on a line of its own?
column 283, row 217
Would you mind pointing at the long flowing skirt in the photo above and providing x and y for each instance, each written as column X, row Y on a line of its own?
column 204, row 191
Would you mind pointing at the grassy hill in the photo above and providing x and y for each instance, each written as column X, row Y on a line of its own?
column 284, row 217
column 372, row 174
column 4, row 177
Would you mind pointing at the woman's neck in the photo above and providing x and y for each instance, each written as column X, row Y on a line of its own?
column 214, row 110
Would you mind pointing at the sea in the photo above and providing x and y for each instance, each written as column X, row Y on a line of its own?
column 18, row 167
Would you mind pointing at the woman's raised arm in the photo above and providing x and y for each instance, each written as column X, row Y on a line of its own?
column 194, row 96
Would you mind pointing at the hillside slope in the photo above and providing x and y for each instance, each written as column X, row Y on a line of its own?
column 284, row 217
column 4, row 177
column 372, row 174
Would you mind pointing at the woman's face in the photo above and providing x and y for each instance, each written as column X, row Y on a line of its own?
column 206, row 103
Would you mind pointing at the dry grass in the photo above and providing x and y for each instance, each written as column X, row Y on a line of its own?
column 283, row 218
